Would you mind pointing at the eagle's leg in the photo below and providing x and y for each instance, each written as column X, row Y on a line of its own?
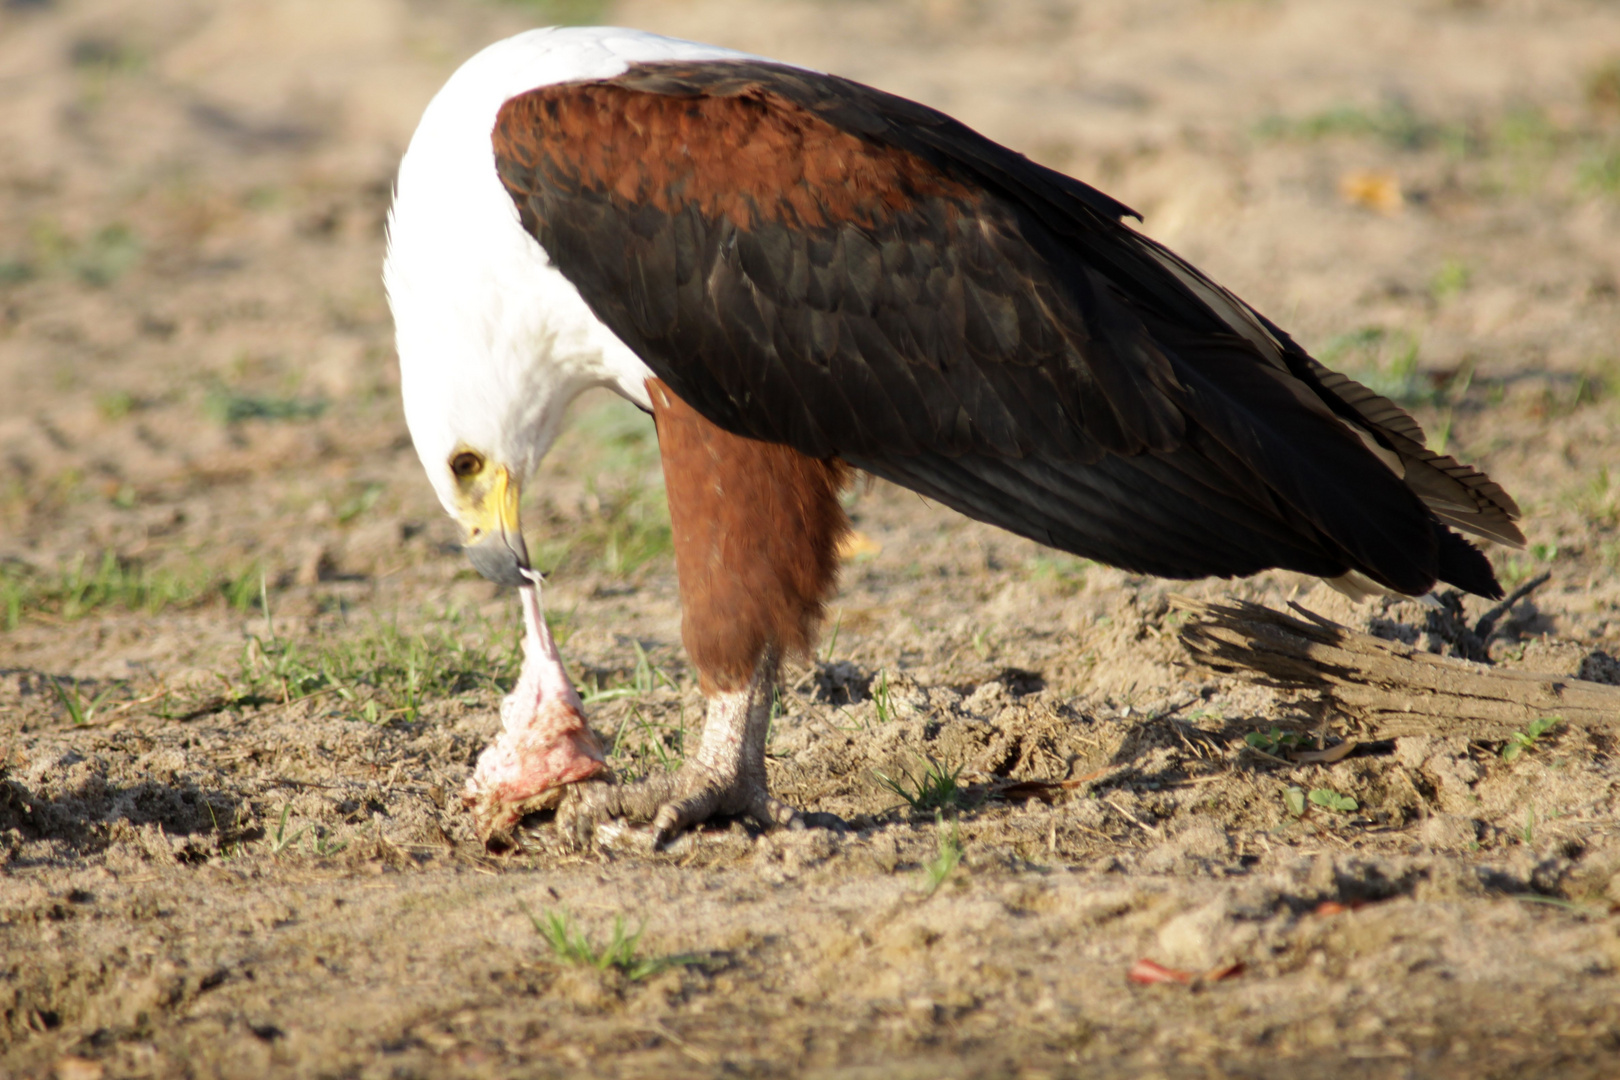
column 725, row 776
column 756, row 531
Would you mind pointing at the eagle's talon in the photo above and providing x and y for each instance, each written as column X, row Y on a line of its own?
column 671, row 803
column 773, row 813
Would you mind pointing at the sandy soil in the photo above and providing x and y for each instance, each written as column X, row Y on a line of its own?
column 243, row 671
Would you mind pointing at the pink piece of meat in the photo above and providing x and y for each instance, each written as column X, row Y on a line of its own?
column 544, row 743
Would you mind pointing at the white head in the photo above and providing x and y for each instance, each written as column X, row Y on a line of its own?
column 494, row 342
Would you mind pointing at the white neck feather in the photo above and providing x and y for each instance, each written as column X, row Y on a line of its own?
column 493, row 342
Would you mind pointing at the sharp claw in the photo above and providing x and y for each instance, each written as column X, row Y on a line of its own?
column 672, row 803
column 584, row 830
column 665, row 824
column 577, row 819
column 771, row 813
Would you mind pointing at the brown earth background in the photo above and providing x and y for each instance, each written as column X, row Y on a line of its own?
column 243, row 670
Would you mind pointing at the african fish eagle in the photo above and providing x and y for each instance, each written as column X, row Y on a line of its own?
column 800, row 276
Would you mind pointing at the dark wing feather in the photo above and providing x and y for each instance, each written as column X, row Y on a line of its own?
column 808, row 261
column 1457, row 494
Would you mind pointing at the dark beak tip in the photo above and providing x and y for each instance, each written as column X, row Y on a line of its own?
column 497, row 562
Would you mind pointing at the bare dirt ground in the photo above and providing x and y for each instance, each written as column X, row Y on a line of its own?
column 243, row 670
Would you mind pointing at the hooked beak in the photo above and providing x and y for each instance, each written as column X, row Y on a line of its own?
column 494, row 543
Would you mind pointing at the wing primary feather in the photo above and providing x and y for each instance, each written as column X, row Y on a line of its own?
column 809, row 261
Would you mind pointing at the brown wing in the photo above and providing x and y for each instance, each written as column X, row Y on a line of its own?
column 809, row 261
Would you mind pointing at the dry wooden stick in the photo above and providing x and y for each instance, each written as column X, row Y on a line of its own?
column 1389, row 688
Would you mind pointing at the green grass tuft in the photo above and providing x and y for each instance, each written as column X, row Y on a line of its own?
column 1067, row 573
column 83, row 587
column 571, row 945
column 1394, row 123
column 1385, row 362
column 1599, row 172
column 644, row 679
column 1520, row 741
column 1452, row 279
column 948, row 858
column 279, row 840
column 641, row 743
column 381, row 674
column 934, row 789
column 624, row 524
column 80, row 711
column 1275, row 742
column 227, row 407
column 107, row 256
column 1328, row 799
column 882, row 698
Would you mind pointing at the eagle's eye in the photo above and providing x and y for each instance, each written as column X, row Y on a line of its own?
column 466, row 463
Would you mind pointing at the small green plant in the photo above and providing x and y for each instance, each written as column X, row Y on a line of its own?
column 936, row 870
column 1328, row 799
column 106, row 256
column 1517, row 569
column 280, row 841
column 1294, row 802
column 626, row 528
column 82, row 587
column 644, row 679
column 228, row 407
column 1394, row 122
column 882, row 700
column 115, row 404
column 832, row 639
column 242, row 589
column 79, row 588
column 283, row 842
column 228, row 849
column 1597, row 497
column 106, row 56
column 981, row 642
column 359, row 504
column 624, row 521
column 1275, row 742
column 1065, row 573
column 1520, row 741
column 1528, row 833
column 15, row 271
column 1452, row 278
column 632, row 531
column 79, row 711
column 660, row 743
column 1385, row 361
column 935, row 788
column 643, row 741
column 1441, row 436
column 1600, row 172
column 571, row 945
column 383, row 674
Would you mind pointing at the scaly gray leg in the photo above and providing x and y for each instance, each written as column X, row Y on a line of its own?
column 725, row 777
